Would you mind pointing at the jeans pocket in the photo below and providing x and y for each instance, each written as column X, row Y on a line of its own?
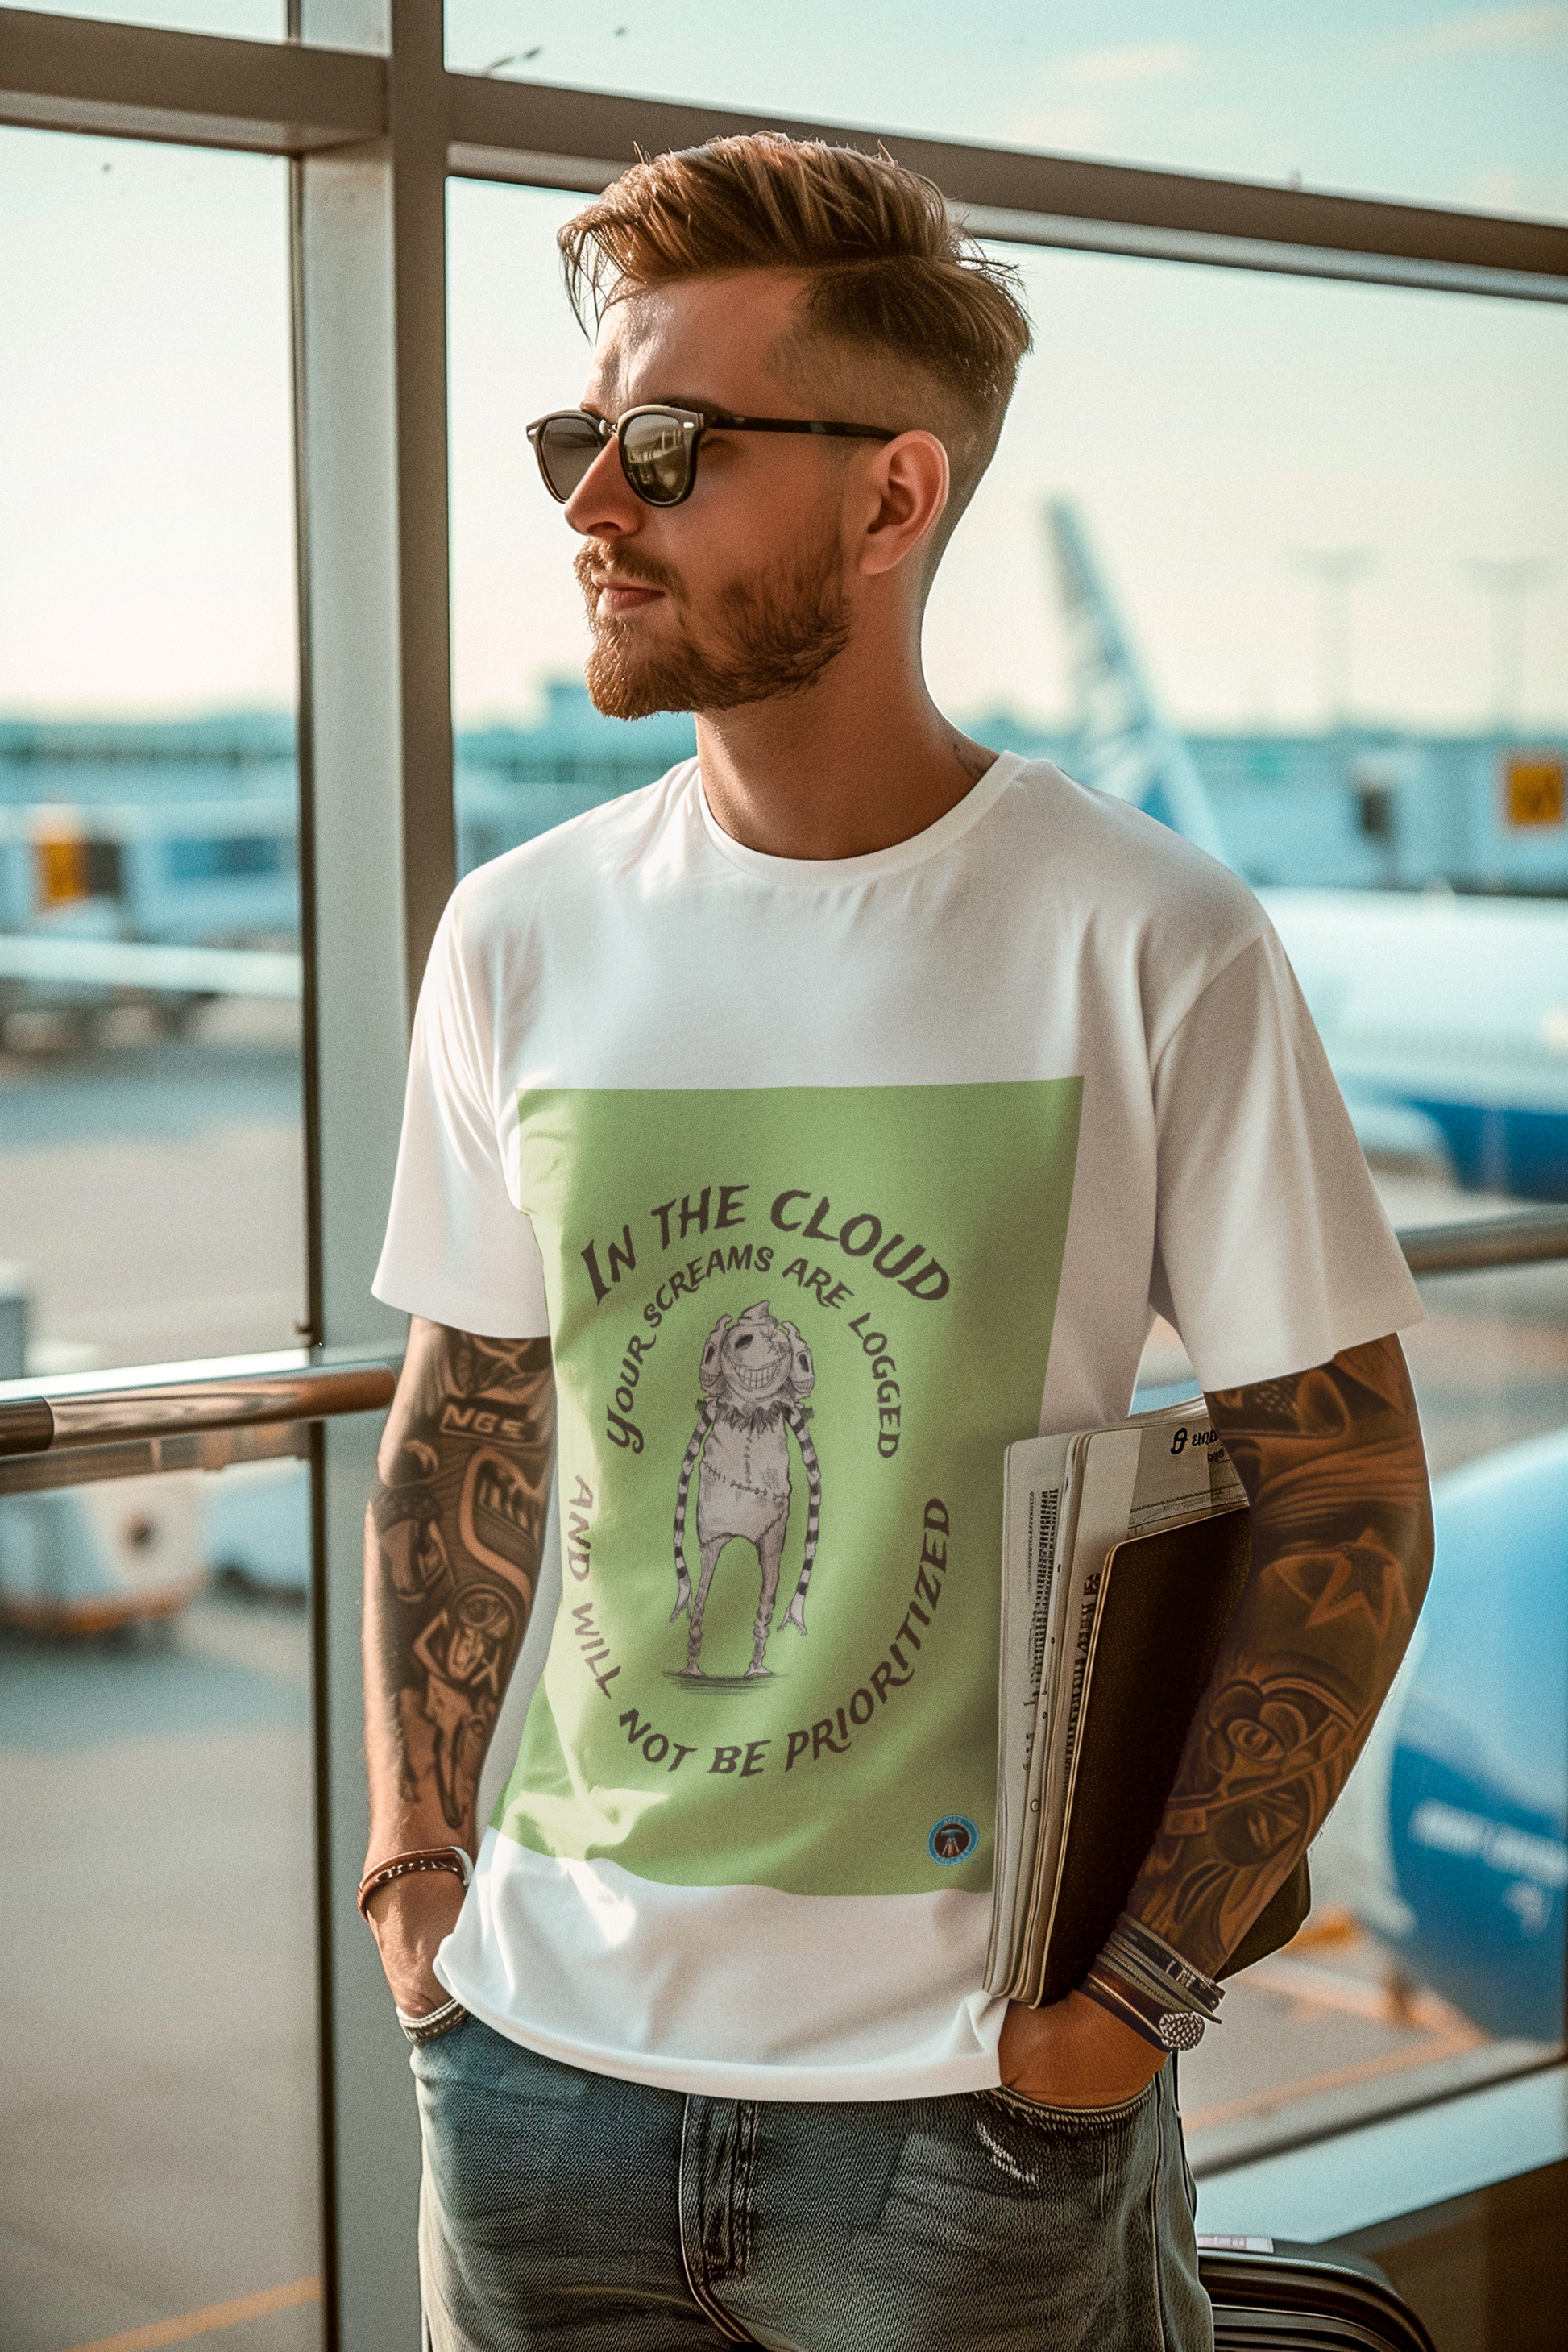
column 1068, row 2120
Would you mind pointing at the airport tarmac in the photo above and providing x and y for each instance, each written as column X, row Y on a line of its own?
column 152, row 1192
column 157, row 2116
column 157, row 2076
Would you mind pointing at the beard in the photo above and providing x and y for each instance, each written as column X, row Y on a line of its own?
column 774, row 634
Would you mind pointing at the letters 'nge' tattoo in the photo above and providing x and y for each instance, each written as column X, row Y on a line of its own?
column 457, row 1526
column 1335, row 1470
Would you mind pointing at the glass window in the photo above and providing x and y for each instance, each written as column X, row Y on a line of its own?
column 149, row 1127
column 154, row 1678
column 234, row 20
column 158, row 1810
column 1451, row 106
column 1319, row 534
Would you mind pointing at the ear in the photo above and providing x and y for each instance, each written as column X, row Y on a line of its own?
column 909, row 481
column 708, row 1375
column 803, row 1370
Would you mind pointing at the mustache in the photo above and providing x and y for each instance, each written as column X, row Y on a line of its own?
column 598, row 566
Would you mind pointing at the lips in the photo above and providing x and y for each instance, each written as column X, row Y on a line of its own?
column 759, row 1379
column 606, row 584
column 611, row 579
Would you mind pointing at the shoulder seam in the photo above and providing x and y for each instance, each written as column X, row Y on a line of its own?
column 1253, row 938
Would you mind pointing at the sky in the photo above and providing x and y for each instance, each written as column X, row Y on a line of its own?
column 1213, row 426
column 1390, row 97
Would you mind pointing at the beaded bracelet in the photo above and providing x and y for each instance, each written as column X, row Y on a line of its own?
column 433, row 2024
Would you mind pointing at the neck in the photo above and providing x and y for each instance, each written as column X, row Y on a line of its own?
column 859, row 761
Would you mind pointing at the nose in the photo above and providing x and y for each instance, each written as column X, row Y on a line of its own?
column 603, row 506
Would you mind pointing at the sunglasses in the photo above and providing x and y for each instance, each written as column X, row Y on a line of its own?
column 658, row 445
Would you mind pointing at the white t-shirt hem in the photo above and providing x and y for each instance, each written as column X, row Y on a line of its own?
column 1251, row 1362
column 735, row 1992
column 436, row 1302
column 720, row 2079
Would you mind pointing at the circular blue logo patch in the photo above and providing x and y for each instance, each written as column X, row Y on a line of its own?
column 953, row 1839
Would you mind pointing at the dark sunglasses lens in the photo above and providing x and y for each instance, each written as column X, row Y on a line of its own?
column 567, row 447
column 656, row 451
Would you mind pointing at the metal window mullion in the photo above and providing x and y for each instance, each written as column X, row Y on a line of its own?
column 548, row 136
column 418, row 104
column 1129, row 242
column 139, row 81
column 377, row 763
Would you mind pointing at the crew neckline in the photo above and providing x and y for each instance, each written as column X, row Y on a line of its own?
column 813, row 872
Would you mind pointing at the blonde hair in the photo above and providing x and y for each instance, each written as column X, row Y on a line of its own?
column 890, row 275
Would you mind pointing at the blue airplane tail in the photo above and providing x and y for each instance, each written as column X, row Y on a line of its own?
column 1123, row 746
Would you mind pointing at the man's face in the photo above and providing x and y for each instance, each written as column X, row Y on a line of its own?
column 739, row 595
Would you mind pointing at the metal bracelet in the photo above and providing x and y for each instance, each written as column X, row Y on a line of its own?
column 436, row 2021
column 1143, row 1959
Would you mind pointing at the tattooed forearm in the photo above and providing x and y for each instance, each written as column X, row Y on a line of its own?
column 1341, row 1548
column 452, row 1544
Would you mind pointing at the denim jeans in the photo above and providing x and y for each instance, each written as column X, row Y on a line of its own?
column 563, row 2208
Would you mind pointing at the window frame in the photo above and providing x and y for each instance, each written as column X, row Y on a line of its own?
column 360, row 99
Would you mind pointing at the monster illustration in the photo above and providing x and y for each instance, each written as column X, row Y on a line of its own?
column 755, row 1372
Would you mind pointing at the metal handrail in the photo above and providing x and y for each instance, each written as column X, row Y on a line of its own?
column 1526, row 1237
column 253, row 1400
column 32, row 1425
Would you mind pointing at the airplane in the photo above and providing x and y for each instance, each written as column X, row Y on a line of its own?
column 165, row 869
column 1450, row 1839
column 166, row 904
column 1445, row 1018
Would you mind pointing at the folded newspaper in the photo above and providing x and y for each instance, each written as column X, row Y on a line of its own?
column 1124, row 1550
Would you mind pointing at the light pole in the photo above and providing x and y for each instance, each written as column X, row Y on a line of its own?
column 1509, row 579
column 1336, row 571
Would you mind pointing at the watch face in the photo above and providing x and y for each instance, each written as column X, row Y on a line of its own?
column 1179, row 2030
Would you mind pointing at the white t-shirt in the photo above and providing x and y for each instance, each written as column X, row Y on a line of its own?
column 828, row 1181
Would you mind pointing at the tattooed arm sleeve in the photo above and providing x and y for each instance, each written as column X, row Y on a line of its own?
column 1341, row 1548
column 452, row 1544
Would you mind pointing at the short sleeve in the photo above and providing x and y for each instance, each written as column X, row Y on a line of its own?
column 457, row 1250
column 1272, row 1249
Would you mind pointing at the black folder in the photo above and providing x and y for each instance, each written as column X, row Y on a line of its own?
column 1166, row 1602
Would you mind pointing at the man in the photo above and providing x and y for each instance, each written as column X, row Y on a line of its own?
column 850, row 1062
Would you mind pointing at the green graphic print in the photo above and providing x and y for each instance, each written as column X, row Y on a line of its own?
column 794, row 1331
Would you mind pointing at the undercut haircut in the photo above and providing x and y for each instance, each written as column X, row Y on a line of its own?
column 891, row 279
